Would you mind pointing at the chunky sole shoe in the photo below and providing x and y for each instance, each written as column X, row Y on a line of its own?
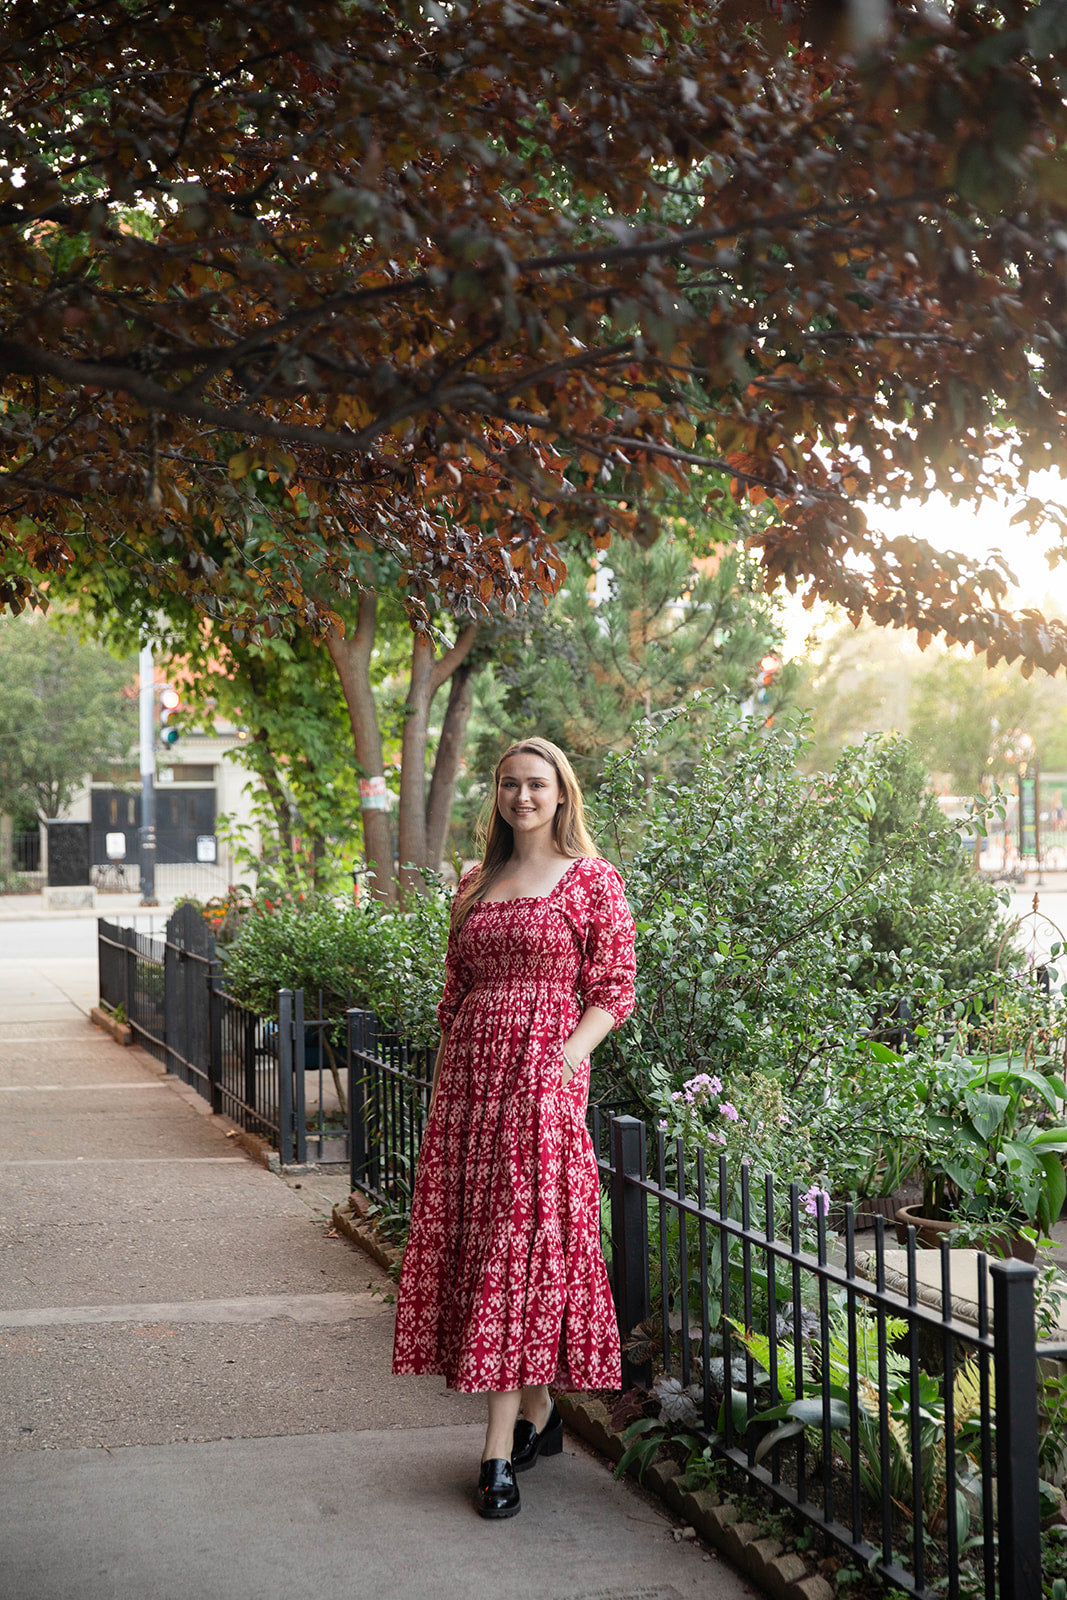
column 528, row 1443
column 498, row 1493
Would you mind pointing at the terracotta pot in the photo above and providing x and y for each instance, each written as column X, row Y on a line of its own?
column 929, row 1231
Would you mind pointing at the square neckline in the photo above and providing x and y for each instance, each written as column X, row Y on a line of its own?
column 535, row 899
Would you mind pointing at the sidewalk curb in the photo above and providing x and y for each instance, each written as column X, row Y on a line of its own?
column 256, row 1147
column 362, row 1234
column 121, row 1032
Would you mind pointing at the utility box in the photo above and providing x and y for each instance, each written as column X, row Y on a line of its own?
column 70, row 857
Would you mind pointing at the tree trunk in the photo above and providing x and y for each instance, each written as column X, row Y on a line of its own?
column 279, row 805
column 351, row 657
column 411, row 849
column 446, row 765
column 427, row 676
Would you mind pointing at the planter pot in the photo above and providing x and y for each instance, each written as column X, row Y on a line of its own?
column 929, row 1231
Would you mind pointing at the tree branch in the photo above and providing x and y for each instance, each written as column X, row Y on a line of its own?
column 445, row 665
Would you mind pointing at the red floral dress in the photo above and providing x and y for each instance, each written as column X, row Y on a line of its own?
column 503, row 1281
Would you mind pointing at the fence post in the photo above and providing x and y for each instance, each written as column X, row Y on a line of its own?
column 285, row 1076
column 214, row 1035
column 629, row 1238
column 357, row 1072
column 1015, row 1374
column 129, row 963
column 375, row 1124
column 300, row 1120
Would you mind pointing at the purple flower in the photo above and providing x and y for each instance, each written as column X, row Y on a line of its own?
column 662, row 1125
column 702, row 1086
column 728, row 1111
column 815, row 1200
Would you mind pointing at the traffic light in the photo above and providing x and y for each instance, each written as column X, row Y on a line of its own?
column 170, row 702
column 769, row 669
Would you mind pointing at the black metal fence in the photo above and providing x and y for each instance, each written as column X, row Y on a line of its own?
column 908, row 1434
column 168, row 988
column 281, row 1077
column 389, row 1085
column 26, row 851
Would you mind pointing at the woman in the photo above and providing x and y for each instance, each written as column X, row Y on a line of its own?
column 504, row 1288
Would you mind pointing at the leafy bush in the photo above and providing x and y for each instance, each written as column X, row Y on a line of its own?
column 777, row 914
column 391, row 963
column 926, row 909
column 741, row 883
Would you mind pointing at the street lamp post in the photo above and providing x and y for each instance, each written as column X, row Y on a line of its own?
column 148, row 776
column 1029, row 800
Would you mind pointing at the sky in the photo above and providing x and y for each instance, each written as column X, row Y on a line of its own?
column 971, row 532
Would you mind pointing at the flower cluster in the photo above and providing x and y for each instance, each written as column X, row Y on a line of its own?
column 699, row 1090
column 702, row 1091
column 815, row 1200
column 755, row 1130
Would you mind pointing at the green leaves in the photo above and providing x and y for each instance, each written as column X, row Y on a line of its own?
column 67, row 709
column 365, row 956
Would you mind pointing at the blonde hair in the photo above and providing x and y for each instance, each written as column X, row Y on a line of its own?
column 496, row 837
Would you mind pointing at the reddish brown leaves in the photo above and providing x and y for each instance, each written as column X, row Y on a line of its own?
column 463, row 288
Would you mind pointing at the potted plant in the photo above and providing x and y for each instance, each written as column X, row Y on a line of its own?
column 993, row 1154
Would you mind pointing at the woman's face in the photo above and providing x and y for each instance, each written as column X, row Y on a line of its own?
column 528, row 793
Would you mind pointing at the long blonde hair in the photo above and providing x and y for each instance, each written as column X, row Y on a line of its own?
column 496, row 837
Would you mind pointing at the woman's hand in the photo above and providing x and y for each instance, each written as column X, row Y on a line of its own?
column 596, row 1024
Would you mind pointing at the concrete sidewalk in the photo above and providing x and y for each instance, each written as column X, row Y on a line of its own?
column 195, row 1394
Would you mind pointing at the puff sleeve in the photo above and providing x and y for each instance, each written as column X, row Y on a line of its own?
column 457, row 980
column 606, row 978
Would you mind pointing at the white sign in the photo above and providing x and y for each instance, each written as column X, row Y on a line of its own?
column 205, row 847
column 373, row 795
column 115, row 845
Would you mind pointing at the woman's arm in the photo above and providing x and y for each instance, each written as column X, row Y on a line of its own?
column 606, row 980
column 595, row 1024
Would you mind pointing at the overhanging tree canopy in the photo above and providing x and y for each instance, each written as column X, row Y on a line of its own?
column 466, row 276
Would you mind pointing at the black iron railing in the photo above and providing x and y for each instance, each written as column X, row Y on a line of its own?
column 132, row 981
column 26, row 851
column 168, row 988
column 389, row 1085
column 908, row 1434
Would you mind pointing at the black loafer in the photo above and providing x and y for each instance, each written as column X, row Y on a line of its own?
column 528, row 1443
column 498, row 1493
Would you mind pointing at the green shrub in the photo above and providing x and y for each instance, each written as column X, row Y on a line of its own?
column 344, row 955
column 776, row 914
column 741, row 883
column 925, row 909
